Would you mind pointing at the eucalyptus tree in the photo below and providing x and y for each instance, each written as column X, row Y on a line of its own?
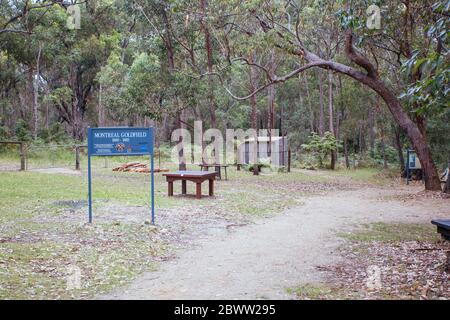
column 270, row 17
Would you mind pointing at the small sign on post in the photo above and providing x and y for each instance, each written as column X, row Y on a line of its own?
column 121, row 141
column 412, row 163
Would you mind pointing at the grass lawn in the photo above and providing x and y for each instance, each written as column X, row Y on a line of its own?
column 368, row 175
column 43, row 238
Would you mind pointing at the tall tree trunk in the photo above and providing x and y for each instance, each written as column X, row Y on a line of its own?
column 270, row 107
column 372, row 80
column 347, row 161
column 78, row 102
column 447, row 183
column 36, row 79
column 210, row 63
column 311, row 112
column 418, row 141
column 100, row 111
column 371, row 124
column 321, row 110
column 271, row 91
column 30, row 98
column 330, row 102
column 253, row 102
column 331, row 116
column 422, row 125
column 398, row 146
column 340, row 113
column 383, row 146
column 361, row 139
column 168, row 43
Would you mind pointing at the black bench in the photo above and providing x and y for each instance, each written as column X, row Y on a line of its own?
column 443, row 227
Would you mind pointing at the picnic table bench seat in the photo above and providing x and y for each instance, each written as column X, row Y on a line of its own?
column 443, row 227
column 218, row 168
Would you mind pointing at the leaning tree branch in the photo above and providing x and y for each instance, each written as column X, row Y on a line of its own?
column 357, row 57
column 24, row 12
column 274, row 80
column 252, row 64
column 14, row 31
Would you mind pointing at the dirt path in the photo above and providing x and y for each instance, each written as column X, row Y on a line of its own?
column 261, row 260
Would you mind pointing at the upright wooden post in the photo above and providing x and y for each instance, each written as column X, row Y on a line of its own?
column 289, row 160
column 23, row 157
column 77, row 157
column 159, row 158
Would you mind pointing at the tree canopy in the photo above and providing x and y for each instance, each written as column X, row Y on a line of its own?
column 298, row 66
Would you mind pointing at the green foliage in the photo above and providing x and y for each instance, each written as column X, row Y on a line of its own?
column 430, row 66
column 321, row 147
column 439, row 138
column 4, row 133
column 111, row 78
column 119, row 65
column 390, row 153
column 261, row 164
column 55, row 133
column 22, row 131
column 144, row 85
column 430, row 92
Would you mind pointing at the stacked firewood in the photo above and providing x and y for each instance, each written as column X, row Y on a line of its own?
column 136, row 167
column 132, row 167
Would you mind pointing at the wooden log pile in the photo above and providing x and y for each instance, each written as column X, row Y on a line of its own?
column 136, row 167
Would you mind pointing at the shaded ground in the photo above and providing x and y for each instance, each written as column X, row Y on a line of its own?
column 44, row 235
column 269, row 233
column 392, row 268
column 264, row 259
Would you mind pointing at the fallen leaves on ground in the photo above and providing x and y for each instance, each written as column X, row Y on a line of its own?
column 380, row 270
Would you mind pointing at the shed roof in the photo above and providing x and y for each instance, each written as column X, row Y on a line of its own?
column 264, row 139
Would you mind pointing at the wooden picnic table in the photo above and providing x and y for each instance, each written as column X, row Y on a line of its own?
column 198, row 177
column 205, row 167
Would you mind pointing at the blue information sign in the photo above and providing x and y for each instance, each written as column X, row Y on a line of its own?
column 121, row 141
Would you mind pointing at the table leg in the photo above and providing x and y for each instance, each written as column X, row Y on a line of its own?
column 198, row 189
column 211, row 187
column 219, row 173
column 183, row 186
column 170, row 188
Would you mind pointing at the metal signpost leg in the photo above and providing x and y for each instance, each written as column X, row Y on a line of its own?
column 152, row 188
column 89, row 189
column 121, row 142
